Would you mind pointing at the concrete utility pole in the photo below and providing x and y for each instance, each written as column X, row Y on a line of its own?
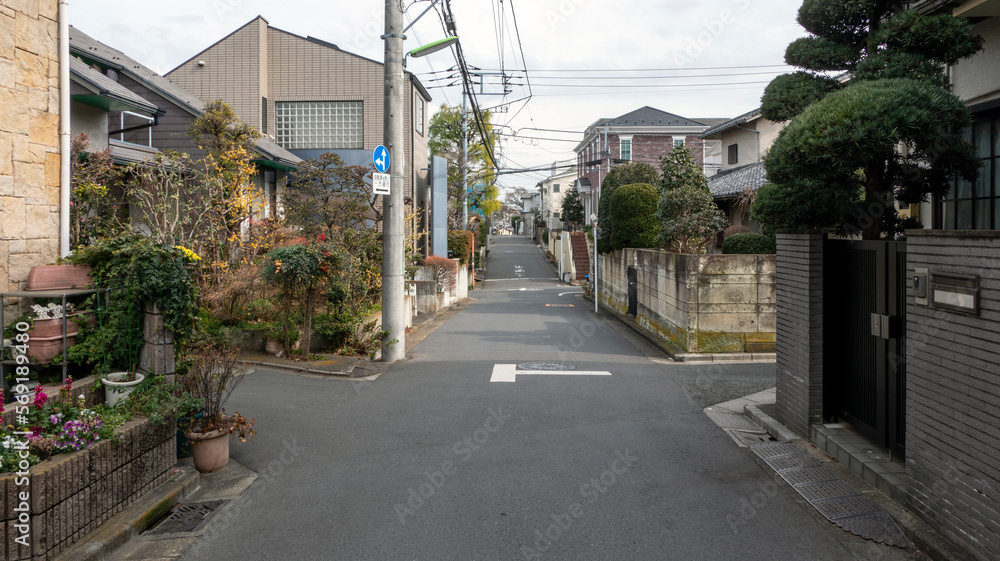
column 465, row 164
column 393, row 319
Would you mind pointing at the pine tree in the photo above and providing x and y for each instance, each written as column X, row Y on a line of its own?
column 572, row 209
column 837, row 163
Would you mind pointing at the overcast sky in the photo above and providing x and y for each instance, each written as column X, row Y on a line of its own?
column 712, row 57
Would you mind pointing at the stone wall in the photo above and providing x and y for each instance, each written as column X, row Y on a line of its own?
column 29, row 139
column 698, row 303
column 953, row 393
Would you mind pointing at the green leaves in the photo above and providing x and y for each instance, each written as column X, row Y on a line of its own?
column 786, row 96
column 688, row 216
column 820, row 54
column 633, row 217
column 572, row 209
column 627, row 174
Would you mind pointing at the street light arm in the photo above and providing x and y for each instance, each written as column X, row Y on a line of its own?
column 429, row 8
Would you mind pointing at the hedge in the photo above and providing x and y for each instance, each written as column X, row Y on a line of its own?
column 748, row 244
column 633, row 217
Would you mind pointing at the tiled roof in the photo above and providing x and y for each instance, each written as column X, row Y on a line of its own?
column 88, row 47
column 105, row 85
column 731, row 123
column 650, row 117
column 731, row 182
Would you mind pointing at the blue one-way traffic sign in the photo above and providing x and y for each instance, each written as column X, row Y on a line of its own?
column 381, row 159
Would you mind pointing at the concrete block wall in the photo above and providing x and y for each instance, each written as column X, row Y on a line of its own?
column 29, row 140
column 953, row 394
column 799, row 277
column 71, row 495
column 700, row 303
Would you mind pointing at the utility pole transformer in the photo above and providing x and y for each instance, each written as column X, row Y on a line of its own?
column 393, row 318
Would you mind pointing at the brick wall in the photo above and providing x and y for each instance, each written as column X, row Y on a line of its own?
column 29, row 139
column 700, row 303
column 953, row 394
column 800, row 330
column 73, row 494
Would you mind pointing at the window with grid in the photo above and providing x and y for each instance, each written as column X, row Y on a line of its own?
column 313, row 125
column 976, row 206
column 626, row 151
column 678, row 142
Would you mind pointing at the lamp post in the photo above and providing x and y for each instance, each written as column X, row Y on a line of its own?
column 393, row 289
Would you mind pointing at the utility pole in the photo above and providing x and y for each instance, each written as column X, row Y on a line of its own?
column 393, row 319
column 465, row 164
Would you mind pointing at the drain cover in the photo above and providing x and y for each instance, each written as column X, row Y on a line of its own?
column 186, row 518
column 545, row 366
column 833, row 497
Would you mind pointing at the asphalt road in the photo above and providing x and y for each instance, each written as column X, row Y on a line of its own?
column 433, row 461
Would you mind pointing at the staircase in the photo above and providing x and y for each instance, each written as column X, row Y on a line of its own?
column 581, row 256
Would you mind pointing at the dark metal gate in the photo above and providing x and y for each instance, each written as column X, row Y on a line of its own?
column 864, row 366
column 633, row 291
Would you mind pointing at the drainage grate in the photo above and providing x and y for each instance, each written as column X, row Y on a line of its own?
column 833, row 497
column 844, row 507
column 186, row 518
column 545, row 366
column 825, row 490
column 778, row 449
column 807, row 475
column 792, row 462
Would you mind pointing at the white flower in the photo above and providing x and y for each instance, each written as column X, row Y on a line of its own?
column 82, row 397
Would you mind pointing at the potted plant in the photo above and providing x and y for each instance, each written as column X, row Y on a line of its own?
column 46, row 333
column 213, row 373
column 58, row 277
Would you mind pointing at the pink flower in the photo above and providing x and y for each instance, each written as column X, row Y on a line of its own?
column 40, row 397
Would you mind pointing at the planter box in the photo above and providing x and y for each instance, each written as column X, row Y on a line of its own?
column 58, row 277
column 72, row 494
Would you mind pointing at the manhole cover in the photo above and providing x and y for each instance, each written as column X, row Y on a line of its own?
column 186, row 518
column 545, row 366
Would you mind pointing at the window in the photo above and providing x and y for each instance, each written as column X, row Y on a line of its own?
column 734, row 153
column 626, row 149
column 418, row 114
column 319, row 125
column 263, row 115
column 976, row 205
column 555, row 188
column 678, row 142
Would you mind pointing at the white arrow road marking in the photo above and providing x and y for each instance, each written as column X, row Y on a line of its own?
column 508, row 373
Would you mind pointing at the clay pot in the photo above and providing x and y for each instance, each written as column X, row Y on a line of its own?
column 45, row 339
column 58, row 277
column 209, row 449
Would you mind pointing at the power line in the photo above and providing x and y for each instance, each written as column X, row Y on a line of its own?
column 639, row 69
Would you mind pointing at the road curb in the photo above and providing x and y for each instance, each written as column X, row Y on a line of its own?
column 135, row 519
column 770, row 424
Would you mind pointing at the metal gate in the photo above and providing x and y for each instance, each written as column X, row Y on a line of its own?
column 633, row 291
column 864, row 366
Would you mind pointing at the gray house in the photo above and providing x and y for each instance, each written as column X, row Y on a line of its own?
column 133, row 111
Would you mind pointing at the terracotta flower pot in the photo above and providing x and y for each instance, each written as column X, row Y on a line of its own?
column 58, row 277
column 274, row 347
column 209, row 449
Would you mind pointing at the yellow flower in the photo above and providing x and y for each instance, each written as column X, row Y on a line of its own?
column 191, row 256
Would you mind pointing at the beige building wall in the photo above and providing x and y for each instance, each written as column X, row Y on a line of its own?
column 241, row 84
column 747, row 141
column 29, row 138
column 977, row 80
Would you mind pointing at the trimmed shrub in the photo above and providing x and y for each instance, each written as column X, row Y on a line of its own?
column 748, row 244
column 627, row 174
column 444, row 271
column 633, row 217
column 460, row 243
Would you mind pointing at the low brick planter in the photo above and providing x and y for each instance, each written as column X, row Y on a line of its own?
column 72, row 494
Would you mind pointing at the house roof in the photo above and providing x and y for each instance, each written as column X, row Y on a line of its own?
column 734, row 122
column 730, row 183
column 643, row 120
column 106, row 93
column 91, row 49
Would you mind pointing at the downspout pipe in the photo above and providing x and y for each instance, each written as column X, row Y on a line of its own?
column 64, row 128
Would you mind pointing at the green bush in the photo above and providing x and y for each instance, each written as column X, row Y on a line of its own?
column 627, row 174
column 633, row 217
column 748, row 244
column 460, row 243
column 545, row 238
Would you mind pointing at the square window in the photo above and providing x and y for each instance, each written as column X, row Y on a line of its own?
column 678, row 142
